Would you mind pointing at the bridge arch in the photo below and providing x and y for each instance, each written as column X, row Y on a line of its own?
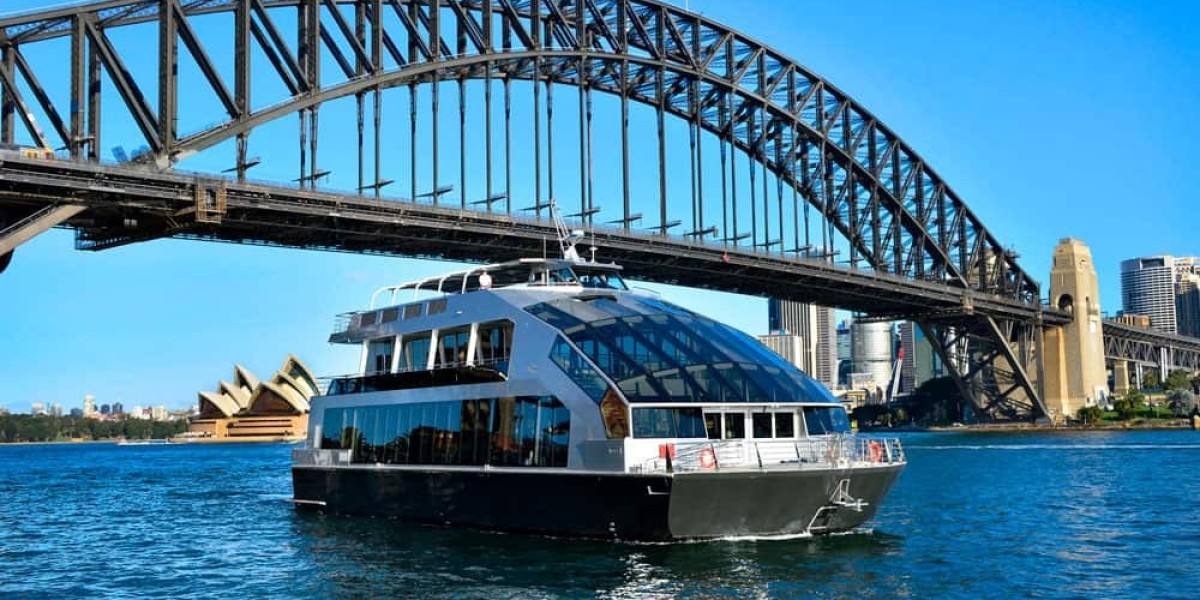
column 895, row 213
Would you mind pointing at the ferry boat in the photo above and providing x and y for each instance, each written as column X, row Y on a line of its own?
column 546, row 396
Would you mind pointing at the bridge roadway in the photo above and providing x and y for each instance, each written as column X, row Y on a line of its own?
column 131, row 204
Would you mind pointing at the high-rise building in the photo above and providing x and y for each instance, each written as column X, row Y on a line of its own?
column 816, row 327
column 790, row 347
column 845, row 353
column 56, row 410
column 117, row 408
column 1152, row 286
column 921, row 362
column 37, row 408
column 77, row 413
column 1187, row 304
column 89, row 405
column 105, row 409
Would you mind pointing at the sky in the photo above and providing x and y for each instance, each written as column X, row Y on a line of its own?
column 1050, row 119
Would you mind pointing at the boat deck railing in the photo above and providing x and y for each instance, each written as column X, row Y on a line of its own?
column 812, row 453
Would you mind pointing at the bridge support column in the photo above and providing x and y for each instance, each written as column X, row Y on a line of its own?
column 1120, row 377
column 1074, row 353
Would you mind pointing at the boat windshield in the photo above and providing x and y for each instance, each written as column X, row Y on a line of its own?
column 658, row 352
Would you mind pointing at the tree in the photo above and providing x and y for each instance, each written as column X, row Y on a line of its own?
column 1178, row 380
column 1089, row 414
column 1149, row 380
column 937, row 399
column 1128, row 405
column 1181, row 402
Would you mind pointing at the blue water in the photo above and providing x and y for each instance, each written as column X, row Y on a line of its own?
column 996, row 515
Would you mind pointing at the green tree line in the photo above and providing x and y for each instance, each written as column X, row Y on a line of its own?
column 28, row 428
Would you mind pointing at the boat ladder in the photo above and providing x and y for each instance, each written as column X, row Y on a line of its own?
column 839, row 499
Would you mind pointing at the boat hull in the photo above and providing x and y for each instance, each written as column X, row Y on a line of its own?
column 661, row 506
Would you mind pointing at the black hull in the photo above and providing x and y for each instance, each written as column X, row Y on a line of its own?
column 618, row 506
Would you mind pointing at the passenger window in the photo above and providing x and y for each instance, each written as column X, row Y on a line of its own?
column 762, row 425
column 785, row 426
column 735, row 426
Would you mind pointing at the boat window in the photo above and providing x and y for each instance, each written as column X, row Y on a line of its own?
column 367, row 319
column 821, row 420
column 668, row 423
column 389, row 314
column 494, row 345
column 414, row 355
column 735, row 425
column 600, row 280
column 379, row 355
column 577, row 368
column 452, row 347
column 513, row 431
column 761, row 425
column 785, row 424
column 656, row 352
column 712, row 425
column 412, row 311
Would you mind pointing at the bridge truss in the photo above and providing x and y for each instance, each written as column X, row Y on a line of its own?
column 756, row 160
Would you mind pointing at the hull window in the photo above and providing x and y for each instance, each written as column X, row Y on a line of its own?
column 526, row 431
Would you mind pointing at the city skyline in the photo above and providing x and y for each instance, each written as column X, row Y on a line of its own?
column 164, row 319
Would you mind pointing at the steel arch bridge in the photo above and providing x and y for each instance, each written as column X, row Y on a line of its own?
column 773, row 153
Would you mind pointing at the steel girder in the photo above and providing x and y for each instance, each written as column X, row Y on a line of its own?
column 894, row 211
column 1124, row 342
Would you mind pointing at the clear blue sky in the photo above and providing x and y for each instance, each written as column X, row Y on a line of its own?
column 1050, row 119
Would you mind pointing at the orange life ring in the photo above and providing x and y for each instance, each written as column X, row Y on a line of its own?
column 708, row 460
column 876, row 452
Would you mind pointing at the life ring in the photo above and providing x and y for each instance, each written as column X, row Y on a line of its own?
column 876, row 451
column 708, row 460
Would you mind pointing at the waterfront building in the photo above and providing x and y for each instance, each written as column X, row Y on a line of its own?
column 251, row 409
column 873, row 354
column 1142, row 321
column 816, row 325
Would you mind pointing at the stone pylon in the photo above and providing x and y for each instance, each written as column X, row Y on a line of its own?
column 1074, row 353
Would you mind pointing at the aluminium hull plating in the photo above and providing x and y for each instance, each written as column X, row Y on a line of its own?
column 627, row 506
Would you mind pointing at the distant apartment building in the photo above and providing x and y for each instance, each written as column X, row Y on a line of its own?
column 816, row 326
column 89, row 405
column 1152, row 286
column 1187, row 304
column 845, row 353
column 1142, row 321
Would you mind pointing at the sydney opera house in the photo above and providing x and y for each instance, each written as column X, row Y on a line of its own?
column 252, row 410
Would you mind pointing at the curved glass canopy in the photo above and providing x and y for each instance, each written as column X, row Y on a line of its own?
column 658, row 352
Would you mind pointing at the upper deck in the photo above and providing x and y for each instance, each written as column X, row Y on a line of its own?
column 429, row 296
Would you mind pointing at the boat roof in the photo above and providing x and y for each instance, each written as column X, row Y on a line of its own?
column 503, row 274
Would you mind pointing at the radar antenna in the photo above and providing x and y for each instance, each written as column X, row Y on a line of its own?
column 567, row 238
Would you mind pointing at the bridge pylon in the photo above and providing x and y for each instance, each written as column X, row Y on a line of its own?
column 1074, row 361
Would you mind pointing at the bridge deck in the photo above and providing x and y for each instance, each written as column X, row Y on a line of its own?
column 126, row 205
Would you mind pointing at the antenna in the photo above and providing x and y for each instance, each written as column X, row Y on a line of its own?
column 566, row 238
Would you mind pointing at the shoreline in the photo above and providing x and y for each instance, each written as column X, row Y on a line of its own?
column 1180, row 425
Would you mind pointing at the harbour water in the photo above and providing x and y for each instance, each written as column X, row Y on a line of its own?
column 975, row 515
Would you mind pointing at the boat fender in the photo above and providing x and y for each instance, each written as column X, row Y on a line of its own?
column 708, row 460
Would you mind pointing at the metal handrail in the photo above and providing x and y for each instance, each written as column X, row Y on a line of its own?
column 807, row 453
